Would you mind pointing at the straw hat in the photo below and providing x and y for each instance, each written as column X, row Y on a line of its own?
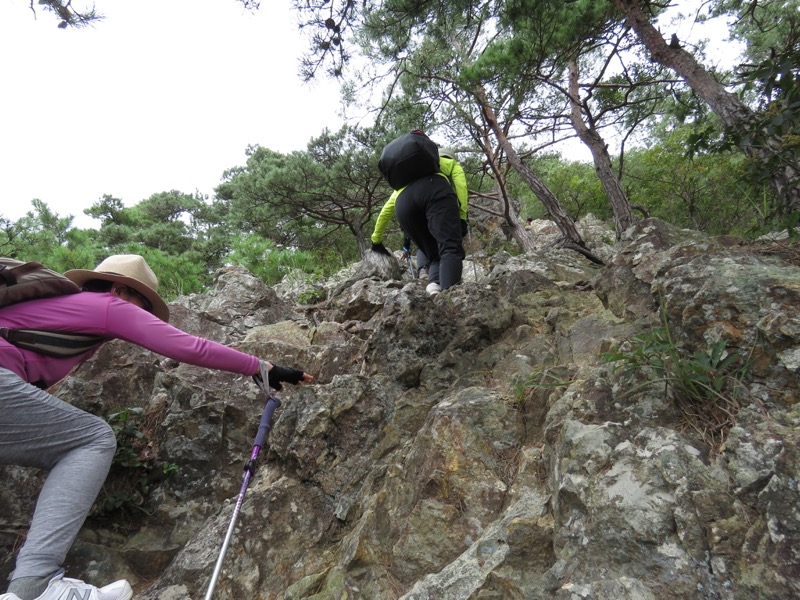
column 130, row 270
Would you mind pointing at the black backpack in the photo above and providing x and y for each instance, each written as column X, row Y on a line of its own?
column 408, row 158
column 22, row 281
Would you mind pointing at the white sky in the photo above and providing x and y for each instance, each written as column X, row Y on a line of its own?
column 160, row 95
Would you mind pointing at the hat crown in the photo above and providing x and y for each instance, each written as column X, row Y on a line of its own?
column 128, row 269
column 129, row 265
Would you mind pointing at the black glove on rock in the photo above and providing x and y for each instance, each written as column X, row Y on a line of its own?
column 380, row 249
column 276, row 375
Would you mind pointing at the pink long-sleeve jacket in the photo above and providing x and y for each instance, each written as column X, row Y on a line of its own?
column 106, row 315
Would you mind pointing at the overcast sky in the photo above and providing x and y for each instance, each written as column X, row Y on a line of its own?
column 160, row 95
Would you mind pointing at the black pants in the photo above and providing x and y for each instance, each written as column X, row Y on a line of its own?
column 428, row 212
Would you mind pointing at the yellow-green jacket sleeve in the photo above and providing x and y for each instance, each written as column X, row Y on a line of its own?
column 455, row 174
column 387, row 212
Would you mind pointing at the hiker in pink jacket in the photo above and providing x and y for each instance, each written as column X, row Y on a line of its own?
column 38, row 430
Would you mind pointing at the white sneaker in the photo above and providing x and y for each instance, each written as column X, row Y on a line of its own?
column 63, row 588
column 423, row 273
column 433, row 289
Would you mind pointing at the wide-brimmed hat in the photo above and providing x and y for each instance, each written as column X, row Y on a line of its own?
column 131, row 270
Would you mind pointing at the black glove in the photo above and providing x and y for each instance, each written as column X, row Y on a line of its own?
column 464, row 228
column 380, row 249
column 275, row 376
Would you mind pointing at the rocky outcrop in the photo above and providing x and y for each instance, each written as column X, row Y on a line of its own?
column 515, row 437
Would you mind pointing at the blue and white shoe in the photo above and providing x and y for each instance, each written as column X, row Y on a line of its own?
column 64, row 588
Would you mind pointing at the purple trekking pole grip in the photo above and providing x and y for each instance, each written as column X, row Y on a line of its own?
column 264, row 428
column 266, row 421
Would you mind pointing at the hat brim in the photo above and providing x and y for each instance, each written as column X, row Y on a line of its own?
column 160, row 308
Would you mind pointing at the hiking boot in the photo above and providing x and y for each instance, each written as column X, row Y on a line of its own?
column 423, row 273
column 433, row 288
column 63, row 588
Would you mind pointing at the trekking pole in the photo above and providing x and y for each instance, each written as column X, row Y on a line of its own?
column 411, row 267
column 249, row 470
column 472, row 252
column 407, row 252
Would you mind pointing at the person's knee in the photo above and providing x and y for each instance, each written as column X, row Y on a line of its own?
column 96, row 442
column 103, row 438
column 107, row 436
column 104, row 445
column 452, row 251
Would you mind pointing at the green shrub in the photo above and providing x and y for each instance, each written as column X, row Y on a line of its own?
column 706, row 385
column 134, row 473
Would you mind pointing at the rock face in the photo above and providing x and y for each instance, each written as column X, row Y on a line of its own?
column 473, row 445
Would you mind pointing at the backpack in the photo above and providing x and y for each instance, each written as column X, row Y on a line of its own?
column 408, row 158
column 22, row 281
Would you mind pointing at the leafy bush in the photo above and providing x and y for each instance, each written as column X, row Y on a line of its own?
column 706, row 385
column 134, row 470
column 265, row 259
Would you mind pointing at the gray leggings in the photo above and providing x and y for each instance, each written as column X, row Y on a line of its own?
column 39, row 430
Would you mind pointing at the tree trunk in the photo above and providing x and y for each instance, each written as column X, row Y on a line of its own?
column 727, row 106
column 522, row 236
column 562, row 220
column 363, row 241
column 602, row 161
